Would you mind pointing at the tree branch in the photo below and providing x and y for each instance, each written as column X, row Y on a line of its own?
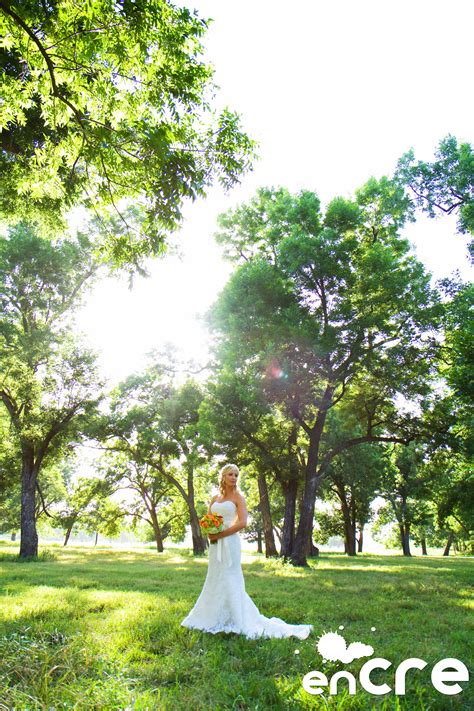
column 17, row 19
column 352, row 443
column 43, row 501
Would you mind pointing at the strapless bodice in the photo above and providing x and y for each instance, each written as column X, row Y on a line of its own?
column 227, row 509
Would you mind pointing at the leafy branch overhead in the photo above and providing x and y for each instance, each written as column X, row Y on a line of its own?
column 445, row 186
column 106, row 100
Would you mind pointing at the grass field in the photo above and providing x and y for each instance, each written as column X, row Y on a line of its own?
column 100, row 629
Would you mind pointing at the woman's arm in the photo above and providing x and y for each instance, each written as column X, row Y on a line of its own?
column 238, row 526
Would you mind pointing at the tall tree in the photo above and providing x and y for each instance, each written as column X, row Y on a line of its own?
column 104, row 100
column 49, row 383
column 105, row 518
column 330, row 307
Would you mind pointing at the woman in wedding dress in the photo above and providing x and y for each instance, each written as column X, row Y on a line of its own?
column 223, row 605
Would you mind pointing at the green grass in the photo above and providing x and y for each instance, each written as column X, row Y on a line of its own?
column 100, row 629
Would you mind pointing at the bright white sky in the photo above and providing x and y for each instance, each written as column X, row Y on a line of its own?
column 334, row 91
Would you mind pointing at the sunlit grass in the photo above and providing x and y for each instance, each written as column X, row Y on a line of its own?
column 100, row 629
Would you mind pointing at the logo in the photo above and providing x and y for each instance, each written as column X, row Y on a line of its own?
column 332, row 646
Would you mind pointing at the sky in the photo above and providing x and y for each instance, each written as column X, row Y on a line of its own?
column 333, row 91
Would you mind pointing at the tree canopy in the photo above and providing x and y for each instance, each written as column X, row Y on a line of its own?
column 331, row 308
column 106, row 100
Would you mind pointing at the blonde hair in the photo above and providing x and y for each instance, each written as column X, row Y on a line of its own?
column 226, row 468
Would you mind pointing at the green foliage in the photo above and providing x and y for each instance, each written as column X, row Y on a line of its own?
column 155, row 415
column 457, row 359
column 105, row 101
column 50, row 386
column 152, row 501
column 454, row 496
column 50, row 380
column 354, row 475
column 328, row 524
column 153, row 435
column 445, row 185
column 83, row 499
column 333, row 301
column 104, row 517
column 9, row 477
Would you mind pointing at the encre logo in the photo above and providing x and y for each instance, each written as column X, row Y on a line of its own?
column 332, row 646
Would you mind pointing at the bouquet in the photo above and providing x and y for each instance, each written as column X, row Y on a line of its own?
column 212, row 523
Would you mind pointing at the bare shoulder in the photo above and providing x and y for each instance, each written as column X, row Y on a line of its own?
column 239, row 499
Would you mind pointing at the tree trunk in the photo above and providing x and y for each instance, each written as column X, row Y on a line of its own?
column 300, row 545
column 313, row 550
column 290, row 490
column 157, row 531
column 13, row 536
column 449, row 543
column 349, row 525
column 199, row 544
column 360, row 540
column 259, row 543
column 264, row 506
column 350, row 540
column 29, row 535
column 405, row 539
column 68, row 533
column 96, row 538
column 311, row 486
column 424, row 550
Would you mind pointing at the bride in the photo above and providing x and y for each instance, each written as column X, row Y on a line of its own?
column 223, row 605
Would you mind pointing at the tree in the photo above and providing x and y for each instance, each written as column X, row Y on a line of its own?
column 49, row 385
column 155, row 423
column 330, row 308
column 82, row 498
column 457, row 358
column 152, row 503
column 107, row 100
column 405, row 487
column 329, row 524
column 444, row 186
column 455, row 501
column 104, row 517
column 352, row 481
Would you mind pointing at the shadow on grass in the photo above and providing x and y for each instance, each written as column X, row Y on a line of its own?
column 127, row 606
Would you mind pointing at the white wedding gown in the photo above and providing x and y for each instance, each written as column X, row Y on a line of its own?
column 223, row 605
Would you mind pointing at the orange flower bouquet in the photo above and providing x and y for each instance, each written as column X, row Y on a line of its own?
column 212, row 523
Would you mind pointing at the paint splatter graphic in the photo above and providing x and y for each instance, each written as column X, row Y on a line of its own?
column 332, row 647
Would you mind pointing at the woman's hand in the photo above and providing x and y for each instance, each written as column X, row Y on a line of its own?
column 213, row 536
